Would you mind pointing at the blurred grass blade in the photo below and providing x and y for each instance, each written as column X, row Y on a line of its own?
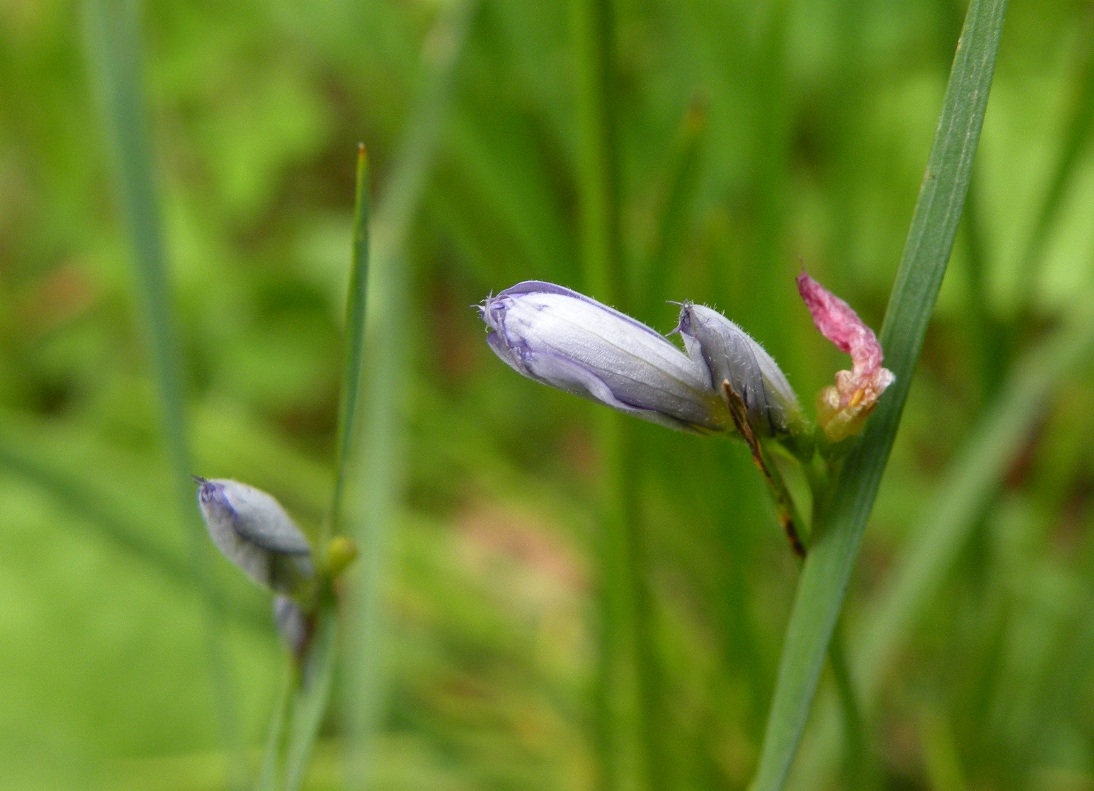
column 768, row 269
column 626, row 695
column 855, row 743
column 682, row 181
column 270, row 773
column 944, row 530
column 311, row 698
column 604, row 274
column 380, row 457
column 353, row 356
column 984, row 328
column 96, row 508
column 113, row 33
column 79, row 497
column 841, row 520
column 1076, row 137
column 983, row 325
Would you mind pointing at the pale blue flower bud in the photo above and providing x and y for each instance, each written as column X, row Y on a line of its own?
column 569, row 341
column 729, row 354
column 253, row 531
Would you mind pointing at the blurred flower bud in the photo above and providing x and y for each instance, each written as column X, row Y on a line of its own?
column 842, row 409
column 292, row 624
column 730, row 355
column 569, row 341
column 253, row 531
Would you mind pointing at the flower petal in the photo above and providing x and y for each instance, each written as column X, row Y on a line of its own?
column 566, row 340
column 729, row 354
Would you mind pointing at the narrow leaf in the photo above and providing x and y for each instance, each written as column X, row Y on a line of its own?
column 842, row 518
column 353, row 361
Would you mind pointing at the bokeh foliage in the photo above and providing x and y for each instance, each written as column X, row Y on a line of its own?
column 755, row 137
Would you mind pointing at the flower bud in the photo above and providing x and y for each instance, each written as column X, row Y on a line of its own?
column 842, row 409
column 571, row 342
column 294, row 626
column 730, row 355
column 253, row 531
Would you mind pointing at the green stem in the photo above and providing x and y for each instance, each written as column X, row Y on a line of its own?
column 837, row 658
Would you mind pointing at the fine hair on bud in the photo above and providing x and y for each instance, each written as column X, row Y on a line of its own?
column 729, row 354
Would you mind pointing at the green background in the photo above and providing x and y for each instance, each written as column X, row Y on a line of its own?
column 754, row 138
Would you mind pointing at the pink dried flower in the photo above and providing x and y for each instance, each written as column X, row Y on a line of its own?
column 842, row 409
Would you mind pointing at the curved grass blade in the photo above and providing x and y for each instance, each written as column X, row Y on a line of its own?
column 114, row 49
column 841, row 520
column 79, row 497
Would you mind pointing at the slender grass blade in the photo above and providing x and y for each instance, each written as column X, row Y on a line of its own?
column 114, row 39
column 841, row 520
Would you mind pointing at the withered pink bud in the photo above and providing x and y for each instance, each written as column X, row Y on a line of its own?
column 842, row 409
